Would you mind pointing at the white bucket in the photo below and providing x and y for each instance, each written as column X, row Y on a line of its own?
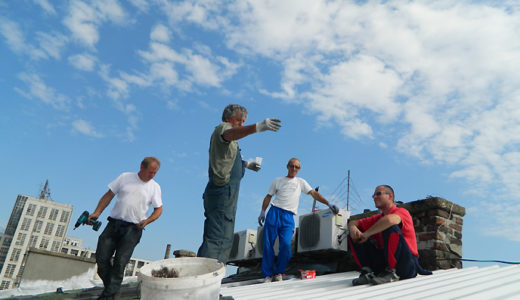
column 198, row 278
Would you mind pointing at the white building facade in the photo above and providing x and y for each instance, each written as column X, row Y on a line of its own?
column 34, row 222
column 42, row 224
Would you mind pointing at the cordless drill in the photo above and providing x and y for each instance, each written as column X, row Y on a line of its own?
column 83, row 219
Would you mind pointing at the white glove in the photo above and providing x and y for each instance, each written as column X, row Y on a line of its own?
column 268, row 124
column 261, row 218
column 253, row 165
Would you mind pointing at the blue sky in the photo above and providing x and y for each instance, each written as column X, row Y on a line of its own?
column 420, row 96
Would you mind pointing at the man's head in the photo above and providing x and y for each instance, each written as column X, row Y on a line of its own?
column 293, row 167
column 234, row 114
column 149, row 167
column 383, row 197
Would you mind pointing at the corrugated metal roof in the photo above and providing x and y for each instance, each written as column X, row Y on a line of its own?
column 468, row 283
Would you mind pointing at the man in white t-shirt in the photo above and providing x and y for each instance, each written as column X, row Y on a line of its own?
column 136, row 192
column 280, row 218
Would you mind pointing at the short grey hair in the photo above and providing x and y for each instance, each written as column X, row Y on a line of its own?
column 231, row 110
column 147, row 160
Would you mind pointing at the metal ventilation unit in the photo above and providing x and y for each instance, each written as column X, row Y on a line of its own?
column 259, row 248
column 243, row 245
column 323, row 230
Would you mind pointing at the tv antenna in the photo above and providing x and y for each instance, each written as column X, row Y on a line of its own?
column 45, row 193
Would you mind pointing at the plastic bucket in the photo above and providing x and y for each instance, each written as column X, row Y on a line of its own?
column 197, row 278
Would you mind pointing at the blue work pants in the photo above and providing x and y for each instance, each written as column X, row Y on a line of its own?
column 278, row 223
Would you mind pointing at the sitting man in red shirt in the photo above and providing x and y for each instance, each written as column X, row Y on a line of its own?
column 385, row 244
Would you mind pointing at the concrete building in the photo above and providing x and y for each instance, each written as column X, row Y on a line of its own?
column 34, row 222
column 72, row 246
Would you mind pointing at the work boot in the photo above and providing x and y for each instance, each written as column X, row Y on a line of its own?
column 388, row 275
column 365, row 277
column 278, row 277
column 267, row 279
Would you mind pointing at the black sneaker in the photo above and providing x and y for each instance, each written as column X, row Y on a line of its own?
column 388, row 275
column 365, row 277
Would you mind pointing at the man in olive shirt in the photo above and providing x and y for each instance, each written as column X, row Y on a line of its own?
column 226, row 169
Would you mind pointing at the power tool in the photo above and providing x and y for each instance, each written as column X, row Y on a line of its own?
column 83, row 219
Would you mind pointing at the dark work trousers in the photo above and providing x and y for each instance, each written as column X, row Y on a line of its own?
column 395, row 254
column 220, row 206
column 119, row 237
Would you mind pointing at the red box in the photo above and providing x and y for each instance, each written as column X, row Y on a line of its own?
column 307, row 274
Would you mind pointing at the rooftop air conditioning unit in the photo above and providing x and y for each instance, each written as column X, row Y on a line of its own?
column 259, row 248
column 243, row 245
column 323, row 230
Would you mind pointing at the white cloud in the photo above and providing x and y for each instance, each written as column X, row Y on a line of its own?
column 38, row 89
column 204, row 69
column 47, row 7
column 117, row 88
column 13, row 35
column 85, row 128
column 84, row 19
column 434, row 80
column 84, row 62
column 52, row 43
column 142, row 5
column 445, row 74
column 160, row 33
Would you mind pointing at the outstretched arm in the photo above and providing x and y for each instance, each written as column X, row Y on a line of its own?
column 239, row 132
column 236, row 133
column 318, row 197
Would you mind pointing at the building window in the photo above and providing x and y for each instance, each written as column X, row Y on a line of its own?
column 37, row 226
column 55, row 246
column 49, row 228
column 74, row 252
column 5, row 284
column 140, row 264
column 31, row 209
column 3, row 253
column 44, row 243
column 21, row 239
column 42, row 212
column 15, row 255
column 60, row 230
column 9, row 271
column 7, row 241
column 129, row 271
column 65, row 216
column 32, row 241
column 64, row 250
column 26, row 224
column 54, row 214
